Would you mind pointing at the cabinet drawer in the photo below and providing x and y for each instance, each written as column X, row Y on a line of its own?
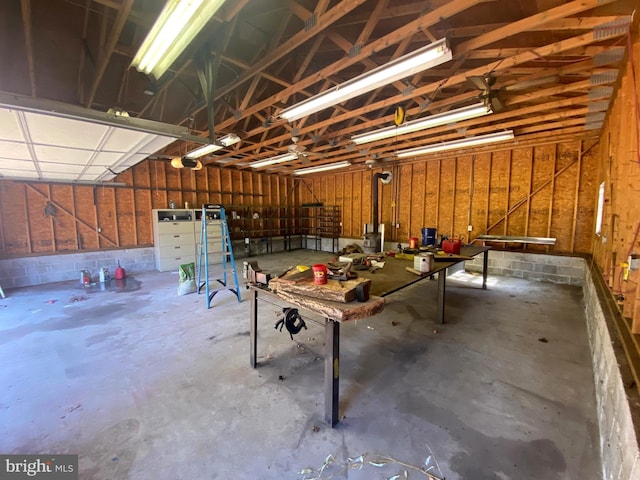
column 165, row 227
column 176, row 251
column 170, row 240
column 172, row 263
column 214, row 245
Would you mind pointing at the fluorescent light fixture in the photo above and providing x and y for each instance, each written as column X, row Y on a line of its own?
column 222, row 142
column 417, row 61
column 321, row 168
column 273, row 160
column 178, row 24
column 464, row 113
column 455, row 144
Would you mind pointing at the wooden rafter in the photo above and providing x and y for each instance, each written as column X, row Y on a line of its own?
column 26, row 22
column 105, row 55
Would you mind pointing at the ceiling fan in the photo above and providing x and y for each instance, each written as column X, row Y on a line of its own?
column 489, row 95
column 299, row 149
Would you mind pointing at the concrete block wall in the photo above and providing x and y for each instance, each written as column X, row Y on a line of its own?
column 618, row 442
column 532, row 266
column 25, row 271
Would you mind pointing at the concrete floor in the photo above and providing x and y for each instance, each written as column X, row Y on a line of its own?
column 144, row 384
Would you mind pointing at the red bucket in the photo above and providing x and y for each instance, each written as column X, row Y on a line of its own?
column 413, row 242
column 319, row 274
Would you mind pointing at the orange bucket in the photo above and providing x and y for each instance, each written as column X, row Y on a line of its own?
column 319, row 274
column 413, row 242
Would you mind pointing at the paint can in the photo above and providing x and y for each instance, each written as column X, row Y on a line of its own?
column 319, row 274
column 429, row 236
column 423, row 262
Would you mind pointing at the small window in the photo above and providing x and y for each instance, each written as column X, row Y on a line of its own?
column 600, row 211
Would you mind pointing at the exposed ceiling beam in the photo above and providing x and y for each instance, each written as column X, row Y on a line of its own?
column 105, row 55
column 28, row 40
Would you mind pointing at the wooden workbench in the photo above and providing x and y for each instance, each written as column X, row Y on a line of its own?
column 334, row 313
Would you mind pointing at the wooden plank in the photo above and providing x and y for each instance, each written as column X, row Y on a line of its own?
column 340, row 312
column 333, row 290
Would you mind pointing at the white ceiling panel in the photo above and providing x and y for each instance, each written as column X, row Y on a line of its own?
column 13, row 149
column 60, row 154
column 62, row 168
column 50, row 130
column 59, row 142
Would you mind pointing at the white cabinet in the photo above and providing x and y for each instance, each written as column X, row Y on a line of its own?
column 173, row 238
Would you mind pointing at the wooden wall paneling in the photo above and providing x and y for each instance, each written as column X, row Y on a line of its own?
column 125, row 215
column 144, row 222
column 498, row 202
column 161, row 195
column 576, row 193
column 15, row 228
column 214, row 186
column 432, row 180
column 552, row 195
column 507, row 197
column 64, row 224
column 348, row 211
column 464, row 172
column 141, row 181
column 225, row 179
column 86, row 227
column 404, row 204
column 417, row 198
column 588, row 199
column 52, row 221
column 539, row 205
column 519, row 190
column 237, row 189
column 200, row 186
column 27, row 220
column 480, row 180
column 339, row 200
column 39, row 224
column 174, row 184
column 564, row 199
column 445, row 201
column 452, row 229
column 106, row 216
column 366, row 210
column 356, row 202
column 245, row 189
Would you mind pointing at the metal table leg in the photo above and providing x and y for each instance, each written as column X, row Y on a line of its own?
column 442, row 279
column 485, row 263
column 253, row 329
column 331, row 371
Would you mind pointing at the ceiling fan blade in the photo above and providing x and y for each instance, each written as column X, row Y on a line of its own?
column 479, row 82
column 496, row 104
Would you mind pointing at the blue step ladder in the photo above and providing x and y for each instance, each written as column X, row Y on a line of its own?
column 213, row 216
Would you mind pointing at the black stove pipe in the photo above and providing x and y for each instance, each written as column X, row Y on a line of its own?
column 374, row 197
